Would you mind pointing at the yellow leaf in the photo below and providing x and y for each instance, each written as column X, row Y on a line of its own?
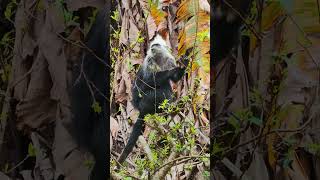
column 270, row 15
column 157, row 14
column 272, row 156
column 181, row 44
column 183, row 12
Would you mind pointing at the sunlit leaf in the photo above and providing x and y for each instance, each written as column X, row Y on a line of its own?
column 31, row 151
column 157, row 14
column 96, row 107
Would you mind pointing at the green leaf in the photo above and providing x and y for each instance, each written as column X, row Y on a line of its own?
column 203, row 35
column 176, row 127
column 115, row 15
column 314, row 148
column 164, row 104
column 3, row 116
column 165, row 151
column 206, row 173
column 140, row 38
column 96, row 107
column 152, row 136
column 179, row 147
column 8, row 12
column 256, row 121
column 31, row 151
column 235, row 123
column 287, row 163
column 6, row 38
column 89, row 163
column 287, row 5
column 216, row 148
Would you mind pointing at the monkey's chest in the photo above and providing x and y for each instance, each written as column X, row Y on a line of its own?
column 151, row 99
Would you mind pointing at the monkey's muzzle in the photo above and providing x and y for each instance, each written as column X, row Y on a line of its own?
column 163, row 58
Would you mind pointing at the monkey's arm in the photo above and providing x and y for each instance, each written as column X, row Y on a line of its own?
column 162, row 77
column 176, row 74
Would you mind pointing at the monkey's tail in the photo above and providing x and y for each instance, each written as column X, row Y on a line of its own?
column 89, row 127
column 136, row 132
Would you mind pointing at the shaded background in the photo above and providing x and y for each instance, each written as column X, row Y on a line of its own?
column 266, row 122
column 40, row 42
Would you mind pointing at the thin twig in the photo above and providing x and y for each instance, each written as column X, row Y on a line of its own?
column 84, row 46
column 178, row 159
column 312, row 58
column 19, row 164
column 271, row 132
column 318, row 6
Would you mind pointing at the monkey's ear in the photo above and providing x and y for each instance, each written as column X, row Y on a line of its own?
column 188, row 51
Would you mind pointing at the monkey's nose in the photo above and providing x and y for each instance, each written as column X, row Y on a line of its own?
column 155, row 48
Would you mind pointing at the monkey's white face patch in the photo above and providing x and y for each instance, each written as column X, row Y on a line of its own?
column 159, row 57
column 162, row 45
column 219, row 13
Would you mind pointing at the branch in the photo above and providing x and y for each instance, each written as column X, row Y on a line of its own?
column 233, row 168
column 271, row 132
column 146, row 147
column 171, row 160
column 161, row 171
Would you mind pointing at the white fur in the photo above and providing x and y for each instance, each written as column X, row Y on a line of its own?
column 219, row 13
column 157, row 40
column 231, row 17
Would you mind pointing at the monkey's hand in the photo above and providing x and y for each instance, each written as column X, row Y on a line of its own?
column 184, row 60
column 177, row 73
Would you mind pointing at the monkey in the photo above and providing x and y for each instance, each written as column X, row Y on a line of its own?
column 152, row 86
column 89, row 127
column 227, row 24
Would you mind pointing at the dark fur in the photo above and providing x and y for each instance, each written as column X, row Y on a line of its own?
column 154, row 88
column 90, row 128
column 226, row 32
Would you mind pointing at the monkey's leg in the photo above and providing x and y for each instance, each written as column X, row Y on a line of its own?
column 99, row 147
column 136, row 132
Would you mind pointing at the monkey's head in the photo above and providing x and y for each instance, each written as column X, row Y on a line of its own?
column 159, row 57
column 229, row 10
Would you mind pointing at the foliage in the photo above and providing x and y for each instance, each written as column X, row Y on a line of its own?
column 171, row 136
